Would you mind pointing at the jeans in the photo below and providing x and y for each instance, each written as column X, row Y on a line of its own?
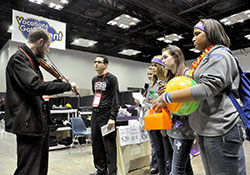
column 181, row 164
column 153, row 163
column 220, row 154
column 241, row 162
column 163, row 151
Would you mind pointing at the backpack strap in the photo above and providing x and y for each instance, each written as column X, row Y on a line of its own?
column 242, row 114
column 231, row 95
column 235, row 102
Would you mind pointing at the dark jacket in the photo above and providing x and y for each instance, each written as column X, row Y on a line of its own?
column 24, row 110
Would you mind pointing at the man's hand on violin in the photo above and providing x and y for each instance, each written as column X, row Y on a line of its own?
column 74, row 88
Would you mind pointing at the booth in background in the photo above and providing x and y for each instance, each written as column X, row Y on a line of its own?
column 133, row 148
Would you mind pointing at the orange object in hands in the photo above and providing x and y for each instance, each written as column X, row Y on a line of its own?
column 158, row 121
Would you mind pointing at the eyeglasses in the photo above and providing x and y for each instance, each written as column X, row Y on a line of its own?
column 99, row 62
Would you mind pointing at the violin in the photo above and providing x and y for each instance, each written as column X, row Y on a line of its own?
column 50, row 68
column 53, row 70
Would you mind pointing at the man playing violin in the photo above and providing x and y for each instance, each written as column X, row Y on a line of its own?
column 26, row 111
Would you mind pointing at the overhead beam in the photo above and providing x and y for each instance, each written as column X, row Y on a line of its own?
column 158, row 8
column 196, row 7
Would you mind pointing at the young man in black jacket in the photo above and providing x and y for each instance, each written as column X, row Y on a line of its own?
column 105, row 109
column 26, row 111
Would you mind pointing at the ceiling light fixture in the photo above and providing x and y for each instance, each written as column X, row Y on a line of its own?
column 64, row 1
column 247, row 37
column 52, row 5
column 39, row 1
column 10, row 29
column 58, row 7
column 247, row 12
column 170, row 38
column 236, row 18
column 129, row 52
column 194, row 50
column 83, row 42
column 124, row 21
column 56, row 4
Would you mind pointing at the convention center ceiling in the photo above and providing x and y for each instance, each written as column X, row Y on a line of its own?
column 133, row 29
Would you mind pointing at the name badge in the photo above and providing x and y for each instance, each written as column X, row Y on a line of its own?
column 97, row 99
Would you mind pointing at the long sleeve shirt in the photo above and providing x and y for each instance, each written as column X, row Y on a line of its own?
column 109, row 92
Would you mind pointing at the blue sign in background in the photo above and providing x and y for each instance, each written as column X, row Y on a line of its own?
column 25, row 26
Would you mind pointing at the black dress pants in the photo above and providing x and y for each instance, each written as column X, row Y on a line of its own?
column 104, row 148
column 32, row 155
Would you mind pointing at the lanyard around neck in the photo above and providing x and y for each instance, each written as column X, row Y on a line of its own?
column 30, row 60
column 102, row 82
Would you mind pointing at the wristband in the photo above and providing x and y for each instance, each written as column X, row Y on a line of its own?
column 169, row 98
column 163, row 98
